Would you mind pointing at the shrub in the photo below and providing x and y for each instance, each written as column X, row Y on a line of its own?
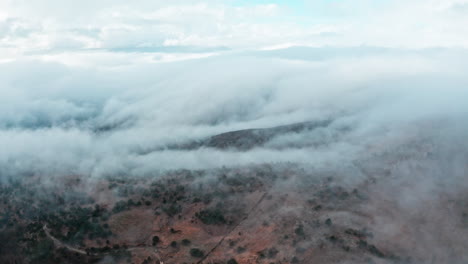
column 197, row 253
column 172, row 209
column 211, row 217
column 272, row 252
column 300, row 231
column 120, row 206
column 232, row 261
column 240, row 250
column 155, row 240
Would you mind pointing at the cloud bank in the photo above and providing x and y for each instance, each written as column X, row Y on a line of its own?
column 116, row 32
column 104, row 87
column 58, row 119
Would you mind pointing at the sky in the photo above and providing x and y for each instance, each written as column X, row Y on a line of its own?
column 155, row 73
column 94, row 31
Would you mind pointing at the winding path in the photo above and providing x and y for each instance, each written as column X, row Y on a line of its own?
column 60, row 244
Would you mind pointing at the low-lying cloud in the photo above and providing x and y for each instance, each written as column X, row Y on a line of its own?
column 63, row 120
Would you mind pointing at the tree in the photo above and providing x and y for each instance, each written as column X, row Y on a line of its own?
column 232, row 261
column 186, row 242
column 197, row 253
column 155, row 240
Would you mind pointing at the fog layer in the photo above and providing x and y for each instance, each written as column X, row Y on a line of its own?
column 62, row 120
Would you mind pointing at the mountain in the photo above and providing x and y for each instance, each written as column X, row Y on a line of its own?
column 359, row 212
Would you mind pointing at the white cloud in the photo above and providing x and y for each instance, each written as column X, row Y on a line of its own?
column 50, row 112
column 69, row 68
column 105, row 24
column 59, row 25
column 30, row 28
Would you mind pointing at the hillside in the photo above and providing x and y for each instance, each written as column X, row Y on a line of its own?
column 270, row 213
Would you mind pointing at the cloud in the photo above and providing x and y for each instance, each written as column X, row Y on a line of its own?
column 85, row 33
column 57, row 119
column 151, row 24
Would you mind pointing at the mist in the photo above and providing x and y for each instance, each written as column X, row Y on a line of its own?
column 64, row 120
column 387, row 125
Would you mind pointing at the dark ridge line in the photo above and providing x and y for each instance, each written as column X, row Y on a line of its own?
column 244, row 139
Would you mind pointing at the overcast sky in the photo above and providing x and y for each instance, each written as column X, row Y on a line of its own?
column 104, row 31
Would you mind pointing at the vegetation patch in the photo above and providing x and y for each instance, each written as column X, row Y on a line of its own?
column 197, row 253
column 211, row 217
